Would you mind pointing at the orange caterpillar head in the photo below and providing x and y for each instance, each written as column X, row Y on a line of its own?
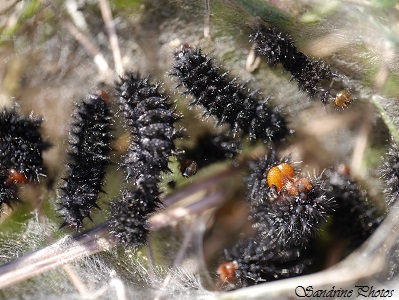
column 226, row 271
column 104, row 95
column 15, row 177
column 298, row 186
column 278, row 176
column 343, row 170
column 282, row 177
column 343, row 99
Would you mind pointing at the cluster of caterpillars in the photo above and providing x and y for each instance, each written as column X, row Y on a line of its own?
column 287, row 209
column 288, row 212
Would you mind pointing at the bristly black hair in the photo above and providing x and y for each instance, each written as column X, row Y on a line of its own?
column 21, row 149
column 293, row 219
column 261, row 259
column 225, row 99
column 151, row 122
column 355, row 217
column 21, row 145
column 87, row 158
column 130, row 214
column 8, row 193
column 312, row 75
column 389, row 171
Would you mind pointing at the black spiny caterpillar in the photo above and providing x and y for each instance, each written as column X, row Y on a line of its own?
column 224, row 98
column 149, row 117
column 21, row 145
column 21, row 148
column 292, row 215
column 261, row 259
column 87, row 159
column 355, row 217
column 389, row 171
column 129, row 215
column 8, row 193
column 312, row 75
column 151, row 121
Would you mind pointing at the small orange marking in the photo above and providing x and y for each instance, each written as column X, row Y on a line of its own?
column 278, row 176
column 226, row 271
column 304, row 185
column 15, row 177
column 343, row 170
column 104, row 95
column 343, row 99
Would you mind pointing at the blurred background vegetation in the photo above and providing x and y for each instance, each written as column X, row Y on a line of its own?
column 53, row 53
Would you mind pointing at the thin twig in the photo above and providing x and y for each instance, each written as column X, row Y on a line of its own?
column 60, row 253
column 78, row 18
column 172, row 216
column 75, row 280
column 115, row 283
column 385, row 117
column 207, row 19
column 90, row 47
column 361, row 144
column 119, row 288
column 178, row 260
column 151, row 261
column 113, row 38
